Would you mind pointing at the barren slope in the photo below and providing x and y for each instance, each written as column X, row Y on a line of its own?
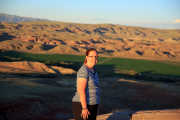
column 110, row 40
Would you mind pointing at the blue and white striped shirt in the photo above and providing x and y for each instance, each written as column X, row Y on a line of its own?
column 92, row 89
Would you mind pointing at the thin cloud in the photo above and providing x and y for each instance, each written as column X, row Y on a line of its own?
column 177, row 21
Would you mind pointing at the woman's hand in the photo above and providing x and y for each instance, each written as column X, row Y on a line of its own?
column 85, row 113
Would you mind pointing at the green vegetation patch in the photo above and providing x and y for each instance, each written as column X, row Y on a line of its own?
column 107, row 65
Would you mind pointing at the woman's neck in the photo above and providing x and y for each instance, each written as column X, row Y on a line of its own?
column 89, row 66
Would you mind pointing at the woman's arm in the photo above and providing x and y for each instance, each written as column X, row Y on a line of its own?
column 81, row 88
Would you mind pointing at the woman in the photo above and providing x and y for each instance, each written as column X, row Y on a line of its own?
column 87, row 97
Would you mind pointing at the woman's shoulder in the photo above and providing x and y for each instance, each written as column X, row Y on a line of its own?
column 82, row 72
column 83, row 68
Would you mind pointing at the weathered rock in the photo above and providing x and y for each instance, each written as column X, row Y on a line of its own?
column 32, row 67
column 24, row 67
column 157, row 115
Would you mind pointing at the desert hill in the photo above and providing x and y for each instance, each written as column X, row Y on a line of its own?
column 110, row 40
column 24, row 67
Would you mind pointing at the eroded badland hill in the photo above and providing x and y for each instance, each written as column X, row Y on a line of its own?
column 110, row 40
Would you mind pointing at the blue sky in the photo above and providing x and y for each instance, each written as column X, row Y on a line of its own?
column 146, row 13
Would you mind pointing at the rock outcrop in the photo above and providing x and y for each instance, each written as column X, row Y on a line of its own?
column 32, row 67
column 157, row 115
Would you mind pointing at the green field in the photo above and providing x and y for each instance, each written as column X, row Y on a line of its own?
column 107, row 66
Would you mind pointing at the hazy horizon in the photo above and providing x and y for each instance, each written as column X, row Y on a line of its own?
column 163, row 14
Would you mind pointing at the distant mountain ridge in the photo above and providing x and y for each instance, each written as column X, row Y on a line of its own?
column 14, row 18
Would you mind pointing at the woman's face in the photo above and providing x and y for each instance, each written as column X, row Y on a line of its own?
column 92, row 58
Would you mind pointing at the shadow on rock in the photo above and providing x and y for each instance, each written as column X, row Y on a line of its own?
column 5, row 36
